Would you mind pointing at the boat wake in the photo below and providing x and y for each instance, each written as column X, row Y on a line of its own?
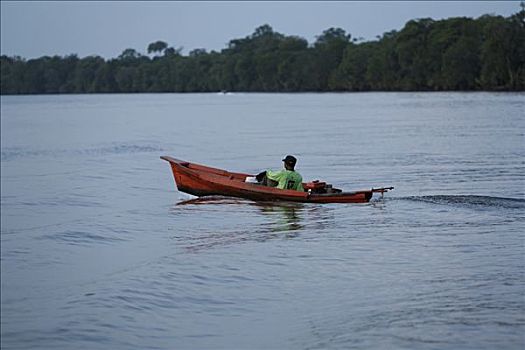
column 472, row 201
column 466, row 201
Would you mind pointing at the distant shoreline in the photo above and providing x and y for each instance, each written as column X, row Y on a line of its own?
column 455, row 54
column 233, row 93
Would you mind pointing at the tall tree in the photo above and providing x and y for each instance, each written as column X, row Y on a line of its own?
column 329, row 48
column 157, row 47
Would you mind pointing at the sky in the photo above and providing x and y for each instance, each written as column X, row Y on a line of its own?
column 33, row 29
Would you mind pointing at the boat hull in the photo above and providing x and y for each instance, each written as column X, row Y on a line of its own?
column 200, row 180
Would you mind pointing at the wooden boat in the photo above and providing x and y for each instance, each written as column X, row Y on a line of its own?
column 200, row 180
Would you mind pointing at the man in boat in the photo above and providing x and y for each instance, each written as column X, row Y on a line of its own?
column 286, row 179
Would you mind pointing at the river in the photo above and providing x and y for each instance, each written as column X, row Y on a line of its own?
column 97, row 251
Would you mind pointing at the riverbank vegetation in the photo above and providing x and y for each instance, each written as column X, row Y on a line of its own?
column 487, row 53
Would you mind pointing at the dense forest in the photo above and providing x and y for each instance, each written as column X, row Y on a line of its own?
column 487, row 53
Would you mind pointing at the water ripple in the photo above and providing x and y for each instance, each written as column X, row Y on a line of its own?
column 77, row 237
column 471, row 201
column 12, row 153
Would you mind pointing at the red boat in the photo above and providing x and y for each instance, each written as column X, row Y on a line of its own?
column 200, row 180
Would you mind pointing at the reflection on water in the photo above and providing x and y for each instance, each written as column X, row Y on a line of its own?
column 287, row 216
column 212, row 200
column 276, row 220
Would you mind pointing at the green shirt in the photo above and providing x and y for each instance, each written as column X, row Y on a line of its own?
column 287, row 179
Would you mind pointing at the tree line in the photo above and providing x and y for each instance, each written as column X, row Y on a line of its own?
column 487, row 53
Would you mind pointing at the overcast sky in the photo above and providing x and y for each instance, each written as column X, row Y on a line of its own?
column 33, row 29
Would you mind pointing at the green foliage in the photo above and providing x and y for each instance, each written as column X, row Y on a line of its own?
column 487, row 53
column 157, row 46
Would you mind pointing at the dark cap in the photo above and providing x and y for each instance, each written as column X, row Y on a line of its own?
column 290, row 160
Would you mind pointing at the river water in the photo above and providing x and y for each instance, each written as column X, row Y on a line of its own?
column 97, row 251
